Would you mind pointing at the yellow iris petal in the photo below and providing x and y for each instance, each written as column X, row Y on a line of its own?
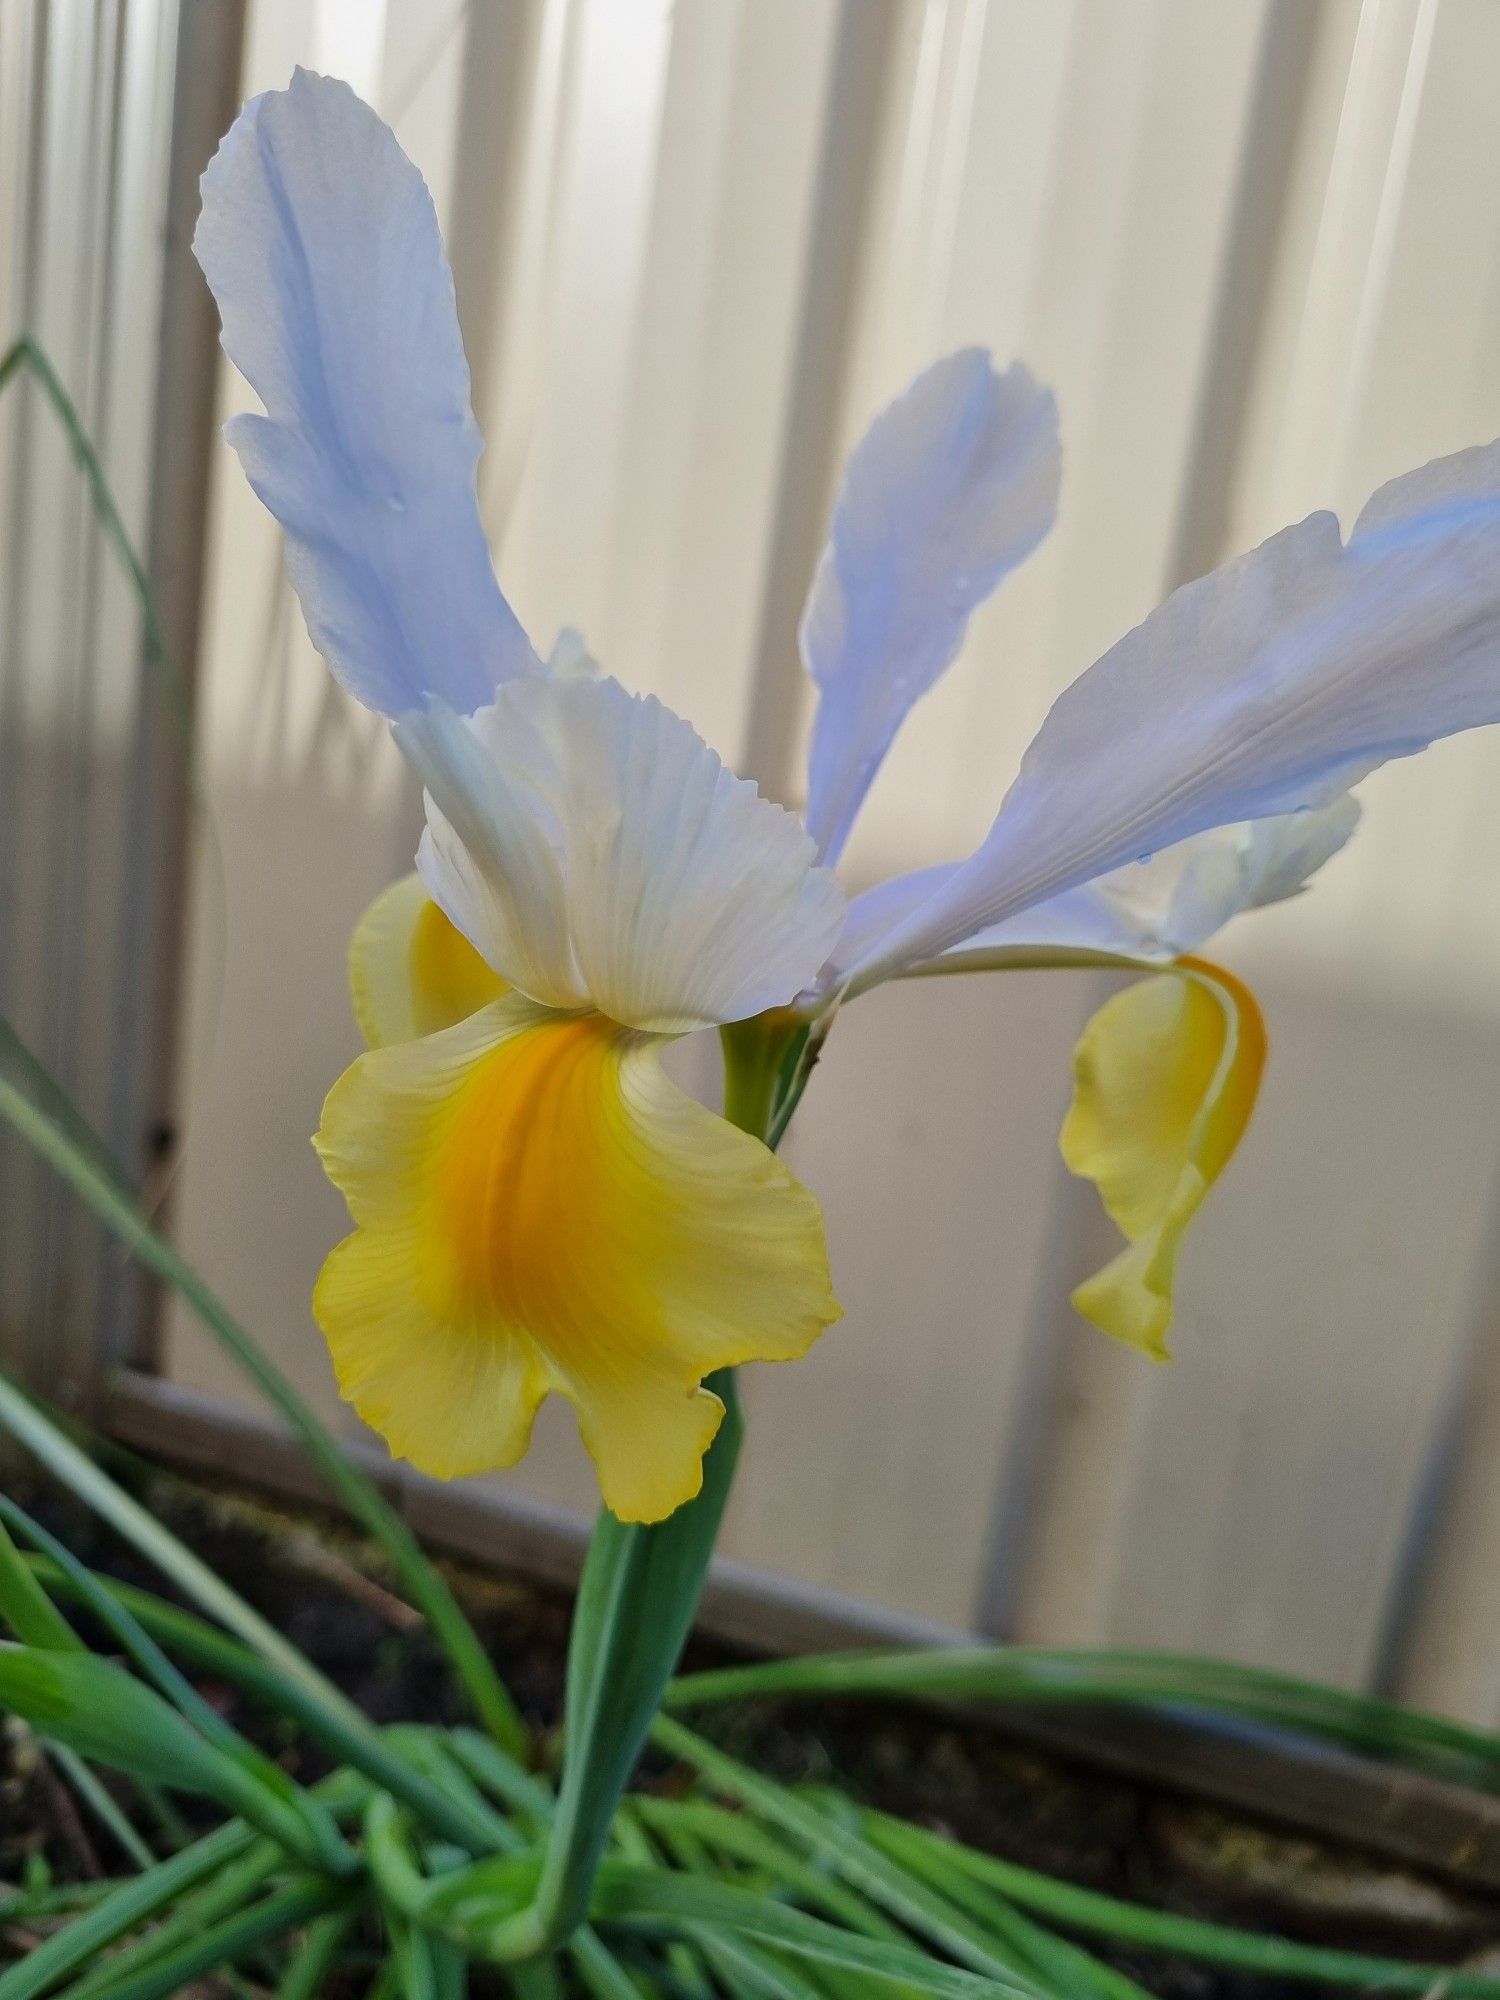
column 410, row 971
column 1165, row 1080
column 537, row 1208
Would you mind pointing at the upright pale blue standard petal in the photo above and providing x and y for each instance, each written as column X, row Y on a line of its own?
column 952, row 486
column 1266, row 687
column 319, row 241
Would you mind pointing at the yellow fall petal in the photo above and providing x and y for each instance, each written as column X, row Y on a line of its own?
column 411, row 972
column 1165, row 1080
column 537, row 1208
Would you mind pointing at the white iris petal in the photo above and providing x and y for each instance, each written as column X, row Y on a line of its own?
column 596, row 852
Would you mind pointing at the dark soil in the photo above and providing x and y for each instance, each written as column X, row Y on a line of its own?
column 969, row 1778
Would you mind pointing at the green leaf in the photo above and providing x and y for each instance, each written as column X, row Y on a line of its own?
column 753, row 1972
column 635, row 1607
column 102, row 1806
column 1189, row 1937
column 378, row 1755
column 26, row 1607
column 1053, row 1957
column 283, row 1910
column 1082, row 1676
column 136, row 1901
column 317, row 1955
column 25, row 356
column 101, row 1712
column 180, row 1692
column 137, row 1643
column 913, row 1902
column 230, row 1890
column 746, row 1840
column 61, row 1457
column 419, row 1578
column 98, row 1710
column 132, row 1903
column 680, row 1905
column 101, row 1188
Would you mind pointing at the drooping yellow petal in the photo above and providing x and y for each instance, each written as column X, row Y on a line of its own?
column 1165, row 1080
column 537, row 1208
column 411, row 972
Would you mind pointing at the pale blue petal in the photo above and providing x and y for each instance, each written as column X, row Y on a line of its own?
column 319, row 241
column 1153, row 910
column 1084, row 922
column 1267, row 687
column 1173, row 903
column 951, row 486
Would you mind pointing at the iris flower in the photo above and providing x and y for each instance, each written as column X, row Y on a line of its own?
column 536, row 1207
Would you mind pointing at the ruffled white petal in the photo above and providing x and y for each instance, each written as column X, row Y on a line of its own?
column 952, row 485
column 1146, row 912
column 1271, row 685
column 570, row 658
column 320, row 244
column 597, row 853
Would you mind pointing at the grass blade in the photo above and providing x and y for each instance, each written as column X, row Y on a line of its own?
column 912, row 1902
column 63, row 1459
column 101, row 1191
column 376, row 1754
column 1189, row 1937
column 283, row 1910
column 680, row 1906
column 132, row 1903
column 100, row 1803
column 1083, row 1676
column 317, row 1955
column 26, row 1607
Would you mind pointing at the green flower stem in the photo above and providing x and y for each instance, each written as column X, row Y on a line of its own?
column 759, row 1057
column 636, row 1601
column 640, row 1586
column 394, row 1863
column 103, row 1194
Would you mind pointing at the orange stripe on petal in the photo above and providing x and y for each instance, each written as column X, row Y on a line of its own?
column 411, row 972
column 538, row 1208
column 1165, row 1079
